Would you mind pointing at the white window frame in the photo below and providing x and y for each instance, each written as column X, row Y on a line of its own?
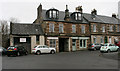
column 77, row 16
column 51, row 27
column 110, row 28
column 94, row 27
column 83, row 43
column 118, row 29
column 53, row 43
column 83, row 29
column 61, row 28
column 103, row 28
column 50, row 14
column 73, row 28
column 54, row 14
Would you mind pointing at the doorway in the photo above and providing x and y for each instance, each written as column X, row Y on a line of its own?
column 63, row 45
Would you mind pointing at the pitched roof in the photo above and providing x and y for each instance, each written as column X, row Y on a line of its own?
column 86, row 18
column 26, row 29
column 61, row 16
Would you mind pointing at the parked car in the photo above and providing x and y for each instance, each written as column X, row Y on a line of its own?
column 43, row 49
column 16, row 50
column 109, row 48
column 3, row 51
column 94, row 46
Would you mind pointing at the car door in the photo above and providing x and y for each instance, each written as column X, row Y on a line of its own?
column 46, row 49
column 110, row 47
column 114, row 48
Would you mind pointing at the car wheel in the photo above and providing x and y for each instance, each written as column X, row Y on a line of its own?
column 8, row 55
column 52, row 51
column 95, row 49
column 38, row 52
column 18, row 53
column 26, row 53
column 108, row 51
column 117, row 49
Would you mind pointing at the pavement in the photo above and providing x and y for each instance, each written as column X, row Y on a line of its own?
column 63, row 60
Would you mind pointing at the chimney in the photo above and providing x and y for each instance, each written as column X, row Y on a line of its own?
column 94, row 12
column 39, row 11
column 39, row 14
column 114, row 15
column 67, row 17
column 79, row 9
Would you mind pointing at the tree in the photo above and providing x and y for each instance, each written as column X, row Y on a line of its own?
column 14, row 20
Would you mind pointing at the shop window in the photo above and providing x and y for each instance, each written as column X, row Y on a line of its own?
column 53, row 43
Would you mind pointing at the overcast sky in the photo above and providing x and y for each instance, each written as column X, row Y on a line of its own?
column 26, row 10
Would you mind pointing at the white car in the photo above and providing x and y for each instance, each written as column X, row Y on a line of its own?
column 43, row 49
column 108, row 48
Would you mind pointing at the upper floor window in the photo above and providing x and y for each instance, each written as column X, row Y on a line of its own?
column 83, row 29
column 77, row 16
column 118, row 28
column 110, row 28
column 53, row 14
column 94, row 27
column 51, row 27
column 73, row 28
column 60, row 28
column 103, row 28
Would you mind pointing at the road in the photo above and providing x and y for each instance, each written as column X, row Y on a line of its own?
column 63, row 60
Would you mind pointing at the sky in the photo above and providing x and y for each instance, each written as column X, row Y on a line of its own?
column 26, row 10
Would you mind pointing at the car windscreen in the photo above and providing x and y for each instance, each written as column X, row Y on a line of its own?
column 11, row 48
column 105, row 45
column 35, row 46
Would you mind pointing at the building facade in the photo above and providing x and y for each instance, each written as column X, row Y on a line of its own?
column 66, row 31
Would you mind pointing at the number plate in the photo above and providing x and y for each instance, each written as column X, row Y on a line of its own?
column 10, row 50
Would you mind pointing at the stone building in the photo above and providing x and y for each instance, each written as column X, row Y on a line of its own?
column 66, row 31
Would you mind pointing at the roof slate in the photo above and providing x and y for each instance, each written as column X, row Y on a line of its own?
column 86, row 18
column 26, row 29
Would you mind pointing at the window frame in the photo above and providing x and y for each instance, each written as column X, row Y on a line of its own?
column 103, row 28
column 51, row 27
column 73, row 28
column 118, row 29
column 83, row 29
column 61, row 28
column 94, row 28
column 53, row 14
column 53, row 43
column 110, row 28
column 78, row 16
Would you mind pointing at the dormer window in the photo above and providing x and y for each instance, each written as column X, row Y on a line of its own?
column 53, row 14
column 77, row 16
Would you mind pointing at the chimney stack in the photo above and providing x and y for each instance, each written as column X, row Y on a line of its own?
column 67, row 17
column 114, row 15
column 94, row 12
column 79, row 9
column 39, row 11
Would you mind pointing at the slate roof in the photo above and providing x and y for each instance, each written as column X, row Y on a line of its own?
column 61, row 16
column 26, row 29
column 86, row 18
